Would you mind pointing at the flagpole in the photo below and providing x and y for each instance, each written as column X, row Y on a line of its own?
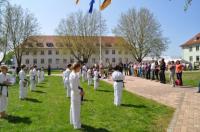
column 100, row 40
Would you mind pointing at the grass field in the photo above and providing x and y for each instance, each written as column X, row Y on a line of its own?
column 47, row 110
column 189, row 78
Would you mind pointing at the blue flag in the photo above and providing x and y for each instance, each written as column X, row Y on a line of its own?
column 91, row 6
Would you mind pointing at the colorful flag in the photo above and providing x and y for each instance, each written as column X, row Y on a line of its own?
column 91, row 6
column 77, row 1
column 105, row 4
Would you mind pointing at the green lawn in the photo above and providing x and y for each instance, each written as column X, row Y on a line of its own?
column 189, row 78
column 47, row 110
column 54, row 72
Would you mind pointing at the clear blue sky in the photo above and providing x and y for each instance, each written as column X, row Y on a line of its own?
column 176, row 24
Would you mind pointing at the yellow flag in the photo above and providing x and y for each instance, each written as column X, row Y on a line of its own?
column 105, row 4
column 77, row 1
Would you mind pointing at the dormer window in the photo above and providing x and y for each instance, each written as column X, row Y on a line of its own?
column 49, row 44
column 198, row 38
column 40, row 45
column 108, row 45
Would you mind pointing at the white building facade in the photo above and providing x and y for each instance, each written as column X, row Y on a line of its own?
column 191, row 50
column 47, row 51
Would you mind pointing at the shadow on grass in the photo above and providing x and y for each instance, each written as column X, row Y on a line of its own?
column 40, row 86
column 87, row 100
column 18, row 119
column 33, row 100
column 133, row 106
column 38, row 91
column 86, row 128
column 106, row 91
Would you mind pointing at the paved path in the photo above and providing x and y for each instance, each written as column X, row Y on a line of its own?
column 185, row 100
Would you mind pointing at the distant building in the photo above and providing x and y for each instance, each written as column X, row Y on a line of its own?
column 47, row 50
column 191, row 52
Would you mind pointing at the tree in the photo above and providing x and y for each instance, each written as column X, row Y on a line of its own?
column 142, row 33
column 3, row 42
column 20, row 24
column 80, row 32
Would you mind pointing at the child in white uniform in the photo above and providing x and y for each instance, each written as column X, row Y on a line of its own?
column 23, row 83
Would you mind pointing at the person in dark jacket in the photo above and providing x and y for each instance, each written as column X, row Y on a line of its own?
column 49, row 70
column 162, row 71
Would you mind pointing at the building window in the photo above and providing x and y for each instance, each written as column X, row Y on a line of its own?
column 49, row 45
column 35, row 53
column 40, row 45
column 42, row 61
column 119, row 52
column 120, row 60
column 64, row 61
column 34, row 61
column 42, row 52
column 197, row 58
column 113, row 60
column 93, row 60
column 108, row 45
column 57, row 52
column 190, row 49
column 27, row 61
column 107, row 52
column 191, row 58
column 27, row 53
column 107, row 60
column 71, row 60
column 197, row 48
column 113, row 52
column 49, row 52
column 57, row 61
column 50, row 61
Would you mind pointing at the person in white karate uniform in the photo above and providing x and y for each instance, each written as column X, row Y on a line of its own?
column 96, row 79
column 42, row 74
column 32, row 79
column 89, row 76
column 5, row 81
column 84, row 73
column 23, row 83
column 66, row 80
column 118, row 79
column 75, row 96
column 35, row 75
column 39, row 76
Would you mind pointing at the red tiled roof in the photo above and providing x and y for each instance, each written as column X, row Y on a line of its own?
column 192, row 41
column 54, row 39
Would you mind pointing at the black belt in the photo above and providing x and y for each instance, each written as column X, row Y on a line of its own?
column 1, row 88
column 119, row 81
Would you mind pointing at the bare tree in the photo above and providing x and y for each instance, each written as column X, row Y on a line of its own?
column 141, row 32
column 20, row 25
column 80, row 32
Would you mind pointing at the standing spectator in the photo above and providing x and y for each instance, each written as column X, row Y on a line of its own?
column 148, row 68
column 162, row 71
column 172, row 68
column 153, row 70
column 49, row 69
column 156, row 70
column 179, row 70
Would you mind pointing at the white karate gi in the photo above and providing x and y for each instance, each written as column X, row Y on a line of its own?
column 84, row 73
column 42, row 75
column 4, row 92
column 32, row 80
column 89, row 77
column 118, row 86
column 96, row 79
column 66, row 82
column 35, row 75
column 22, row 86
column 39, row 76
column 75, row 100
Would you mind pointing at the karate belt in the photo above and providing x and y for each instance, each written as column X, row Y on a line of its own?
column 1, row 88
column 119, row 81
